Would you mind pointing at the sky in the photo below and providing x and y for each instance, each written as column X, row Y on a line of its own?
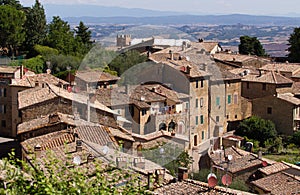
column 255, row 7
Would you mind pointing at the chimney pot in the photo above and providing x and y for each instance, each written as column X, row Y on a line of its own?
column 37, row 150
column 160, row 175
column 78, row 145
column 139, row 162
column 182, row 173
column 121, row 162
column 90, row 158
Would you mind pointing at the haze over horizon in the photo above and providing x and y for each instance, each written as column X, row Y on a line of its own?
column 196, row 7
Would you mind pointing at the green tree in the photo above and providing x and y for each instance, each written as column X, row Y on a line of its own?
column 35, row 64
column 11, row 28
column 257, row 128
column 83, row 36
column 126, row 60
column 61, row 37
column 294, row 46
column 35, row 27
column 14, row 3
column 251, row 45
column 296, row 138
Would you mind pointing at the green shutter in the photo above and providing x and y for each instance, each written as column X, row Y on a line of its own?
column 229, row 99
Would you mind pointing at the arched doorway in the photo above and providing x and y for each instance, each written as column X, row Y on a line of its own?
column 171, row 126
column 162, row 126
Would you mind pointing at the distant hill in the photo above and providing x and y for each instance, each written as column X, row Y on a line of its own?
column 191, row 19
column 118, row 15
column 100, row 11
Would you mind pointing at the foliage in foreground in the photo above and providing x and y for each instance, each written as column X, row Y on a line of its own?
column 63, row 178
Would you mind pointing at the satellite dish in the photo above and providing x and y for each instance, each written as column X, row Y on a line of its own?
column 212, row 180
column 105, row 150
column 226, row 180
column 77, row 160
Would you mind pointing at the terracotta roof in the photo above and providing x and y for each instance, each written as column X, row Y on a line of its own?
column 192, row 187
column 92, row 76
column 270, row 77
column 282, row 67
column 279, row 183
column 229, row 57
column 241, row 159
column 30, row 80
column 9, row 69
column 206, row 45
column 180, row 65
column 274, row 168
column 289, row 97
column 37, row 95
column 296, row 88
column 44, row 121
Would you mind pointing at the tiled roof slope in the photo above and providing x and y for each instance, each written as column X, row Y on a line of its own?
column 30, row 80
column 274, row 168
column 270, row 77
column 279, row 183
column 91, row 76
column 192, row 187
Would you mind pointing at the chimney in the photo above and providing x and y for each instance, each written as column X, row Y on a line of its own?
column 182, row 173
column 184, row 45
column 121, row 162
column 139, row 162
column 78, row 145
column 127, row 89
column 159, row 176
column 171, row 55
column 48, row 71
column 37, row 150
column 259, row 155
column 149, row 177
column 21, row 71
column 90, row 158
column 188, row 69
column 88, row 110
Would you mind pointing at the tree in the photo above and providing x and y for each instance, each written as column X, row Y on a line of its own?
column 35, row 64
column 251, row 45
column 11, row 28
column 294, row 46
column 14, row 3
column 257, row 128
column 83, row 35
column 126, row 60
column 35, row 27
column 60, row 36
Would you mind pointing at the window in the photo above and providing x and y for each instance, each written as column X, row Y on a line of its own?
column 229, row 99
column 269, row 110
column 264, row 86
column 248, row 85
column 202, row 135
column 235, row 99
column 218, row 101
column 196, row 103
column 2, row 109
column 201, row 102
column 202, row 83
column 197, row 83
column 2, row 92
column 235, row 116
column 3, row 123
column 187, row 105
column 217, row 119
column 195, row 140
column 201, row 119
column 196, row 120
column 144, row 111
column 20, row 114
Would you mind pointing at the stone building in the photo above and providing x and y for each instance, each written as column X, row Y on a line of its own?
column 123, row 40
column 48, row 99
column 261, row 85
column 282, row 109
column 90, row 80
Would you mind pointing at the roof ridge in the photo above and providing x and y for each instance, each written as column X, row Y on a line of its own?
column 274, row 77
